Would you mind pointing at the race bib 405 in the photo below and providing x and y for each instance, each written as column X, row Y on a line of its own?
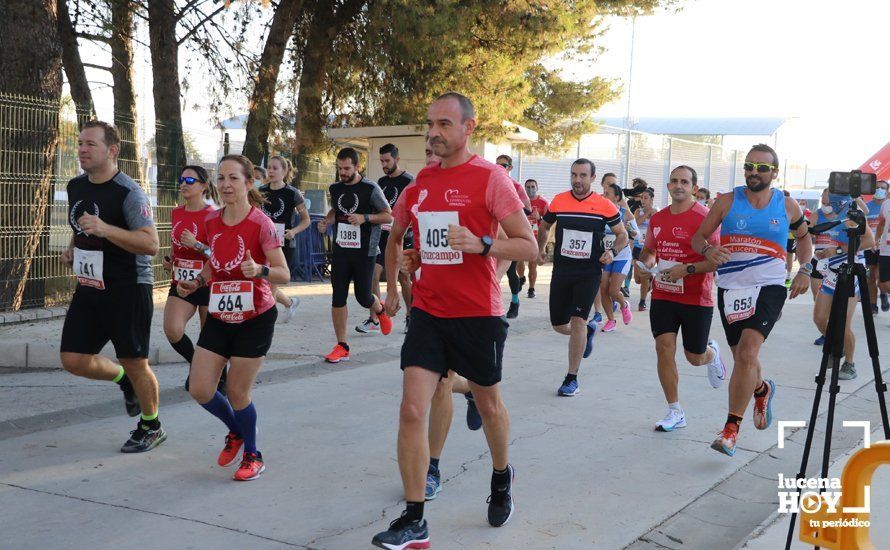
column 434, row 247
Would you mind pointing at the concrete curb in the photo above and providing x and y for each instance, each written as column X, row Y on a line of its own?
column 31, row 315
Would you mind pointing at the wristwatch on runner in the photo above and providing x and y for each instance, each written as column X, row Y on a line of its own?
column 486, row 245
column 690, row 268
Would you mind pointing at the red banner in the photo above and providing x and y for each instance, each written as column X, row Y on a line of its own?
column 879, row 163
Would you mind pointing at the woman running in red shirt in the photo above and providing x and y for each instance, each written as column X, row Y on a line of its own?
column 245, row 258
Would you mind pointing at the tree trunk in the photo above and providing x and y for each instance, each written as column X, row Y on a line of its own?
column 31, row 66
column 262, row 101
column 124, row 94
column 169, row 143
column 77, row 76
column 316, row 56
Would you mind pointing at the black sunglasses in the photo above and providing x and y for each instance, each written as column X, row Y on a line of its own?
column 504, row 166
column 189, row 180
column 759, row 166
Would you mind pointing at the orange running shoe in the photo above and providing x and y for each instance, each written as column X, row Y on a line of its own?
column 339, row 353
column 251, row 467
column 229, row 454
column 763, row 407
column 385, row 323
column 725, row 442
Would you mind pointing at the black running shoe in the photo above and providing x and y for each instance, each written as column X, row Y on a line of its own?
column 144, row 439
column 531, row 293
column 130, row 400
column 625, row 292
column 521, row 282
column 500, row 503
column 513, row 312
column 403, row 534
column 885, row 302
column 474, row 419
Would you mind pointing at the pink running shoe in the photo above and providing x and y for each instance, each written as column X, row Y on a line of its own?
column 626, row 314
column 610, row 325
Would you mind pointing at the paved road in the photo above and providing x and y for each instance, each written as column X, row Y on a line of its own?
column 591, row 472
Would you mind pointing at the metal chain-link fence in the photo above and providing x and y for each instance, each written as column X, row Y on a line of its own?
column 630, row 154
column 38, row 156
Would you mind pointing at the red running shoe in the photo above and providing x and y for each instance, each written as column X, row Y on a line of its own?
column 385, row 323
column 251, row 467
column 339, row 353
column 229, row 454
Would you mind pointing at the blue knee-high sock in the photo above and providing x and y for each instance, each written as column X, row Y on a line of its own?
column 246, row 419
column 220, row 407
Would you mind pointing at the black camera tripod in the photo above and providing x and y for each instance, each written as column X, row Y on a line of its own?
column 833, row 349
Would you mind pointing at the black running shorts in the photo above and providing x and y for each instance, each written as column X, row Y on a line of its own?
column 871, row 257
column 572, row 296
column 249, row 339
column 473, row 347
column 121, row 315
column 666, row 317
column 198, row 298
column 353, row 268
column 381, row 258
column 767, row 312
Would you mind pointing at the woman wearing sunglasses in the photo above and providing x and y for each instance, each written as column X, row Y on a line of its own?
column 188, row 239
column 282, row 200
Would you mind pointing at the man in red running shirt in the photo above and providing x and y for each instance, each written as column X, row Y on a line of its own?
column 682, row 295
column 457, row 321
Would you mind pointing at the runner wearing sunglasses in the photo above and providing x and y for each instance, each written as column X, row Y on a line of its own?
column 506, row 162
column 754, row 221
column 189, row 251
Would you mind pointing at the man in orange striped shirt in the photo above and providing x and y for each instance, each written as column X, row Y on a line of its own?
column 581, row 217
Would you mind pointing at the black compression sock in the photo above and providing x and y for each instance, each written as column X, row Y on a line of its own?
column 345, row 345
column 185, row 348
column 569, row 378
column 761, row 390
column 733, row 419
column 413, row 511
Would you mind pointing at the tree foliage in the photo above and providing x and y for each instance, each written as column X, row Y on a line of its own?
column 395, row 56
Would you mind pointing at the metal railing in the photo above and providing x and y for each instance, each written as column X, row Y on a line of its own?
column 631, row 154
column 35, row 167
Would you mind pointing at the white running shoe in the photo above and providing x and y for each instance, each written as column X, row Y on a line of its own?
column 716, row 368
column 672, row 420
column 291, row 311
column 368, row 327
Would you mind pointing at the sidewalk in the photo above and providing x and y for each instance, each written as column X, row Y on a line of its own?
column 35, row 345
column 591, row 472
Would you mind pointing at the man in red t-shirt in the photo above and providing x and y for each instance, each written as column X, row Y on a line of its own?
column 682, row 296
column 538, row 207
column 454, row 208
